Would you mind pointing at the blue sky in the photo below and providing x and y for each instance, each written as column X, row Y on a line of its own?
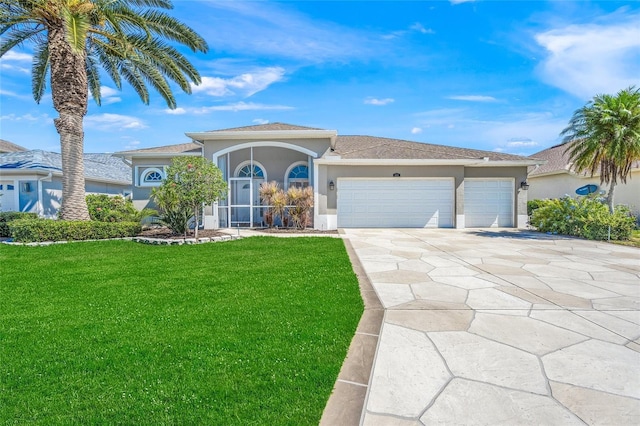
column 495, row 75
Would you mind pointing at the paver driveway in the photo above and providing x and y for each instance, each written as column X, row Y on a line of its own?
column 502, row 327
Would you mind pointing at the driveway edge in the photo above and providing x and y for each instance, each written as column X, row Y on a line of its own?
column 346, row 403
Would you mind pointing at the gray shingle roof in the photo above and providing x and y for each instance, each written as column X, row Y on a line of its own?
column 6, row 146
column 181, row 148
column 100, row 167
column 557, row 161
column 370, row 147
column 266, row 127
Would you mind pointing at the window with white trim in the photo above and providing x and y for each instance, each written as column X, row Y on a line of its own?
column 250, row 170
column 298, row 175
column 152, row 176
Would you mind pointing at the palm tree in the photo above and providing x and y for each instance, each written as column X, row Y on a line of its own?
column 72, row 40
column 604, row 136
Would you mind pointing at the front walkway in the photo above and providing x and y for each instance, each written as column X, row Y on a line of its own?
column 502, row 327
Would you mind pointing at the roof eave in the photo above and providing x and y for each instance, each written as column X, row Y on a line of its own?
column 424, row 162
column 264, row 134
column 58, row 173
column 129, row 156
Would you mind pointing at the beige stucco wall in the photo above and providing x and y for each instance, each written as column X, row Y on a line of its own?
column 559, row 185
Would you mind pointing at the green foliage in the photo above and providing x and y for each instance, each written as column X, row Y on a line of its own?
column 190, row 183
column 112, row 332
column 604, row 136
column 585, row 217
column 533, row 204
column 105, row 208
column 37, row 230
column 6, row 217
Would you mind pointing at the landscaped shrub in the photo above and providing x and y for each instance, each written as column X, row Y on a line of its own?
column 533, row 204
column 6, row 217
column 36, row 230
column 106, row 208
column 300, row 205
column 585, row 217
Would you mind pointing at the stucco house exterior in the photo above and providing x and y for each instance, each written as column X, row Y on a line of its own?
column 31, row 181
column 358, row 181
column 557, row 178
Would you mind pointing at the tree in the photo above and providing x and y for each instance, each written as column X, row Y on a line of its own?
column 604, row 136
column 190, row 183
column 72, row 40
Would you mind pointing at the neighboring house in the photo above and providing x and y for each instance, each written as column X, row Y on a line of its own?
column 358, row 181
column 31, row 181
column 557, row 178
column 6, row 146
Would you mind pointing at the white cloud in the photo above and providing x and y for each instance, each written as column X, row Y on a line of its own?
column 521, row 143
column 111, row 122
column 25, row 117
column 260, row 121
column 109, row 95
column 177, row 111
column 421, row 29
column 473, row 98
column 16, row 56
column 416, row 130
column 245, row 84
column 240, row 106
column 590, row 59
column 378, row 102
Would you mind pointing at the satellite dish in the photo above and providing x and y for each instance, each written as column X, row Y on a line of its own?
column 587, row 189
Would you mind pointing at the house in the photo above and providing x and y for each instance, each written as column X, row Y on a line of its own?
column 358, row 181
column 31, row 181
column 557, row 178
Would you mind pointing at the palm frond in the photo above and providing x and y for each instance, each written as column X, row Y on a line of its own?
column 39, row 70
column 93, row 79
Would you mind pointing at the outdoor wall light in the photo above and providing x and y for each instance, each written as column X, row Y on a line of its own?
column 332, row 185
column 524, row 185
column 396, row 175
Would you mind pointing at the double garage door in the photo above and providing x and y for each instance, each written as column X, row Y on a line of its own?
column 422, row 203
column 395, row 203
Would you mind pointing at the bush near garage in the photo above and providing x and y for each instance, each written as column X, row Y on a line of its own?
column 6, row 217
column 533, row 204
column 585, row 217
column 38, row 230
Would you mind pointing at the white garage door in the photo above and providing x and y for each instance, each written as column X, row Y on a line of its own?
column 7, row 197
column 488, row 203
column 395, row 203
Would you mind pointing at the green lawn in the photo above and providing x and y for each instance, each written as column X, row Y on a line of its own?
column 246, row 332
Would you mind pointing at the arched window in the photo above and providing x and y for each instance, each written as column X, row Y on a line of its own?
column 298, row 175
column 152, row 176
column 255, row 170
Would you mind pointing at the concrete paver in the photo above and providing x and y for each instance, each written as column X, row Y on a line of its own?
column 501, row 327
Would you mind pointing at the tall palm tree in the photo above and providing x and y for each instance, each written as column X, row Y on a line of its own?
column 72, row 40
column 604, row 136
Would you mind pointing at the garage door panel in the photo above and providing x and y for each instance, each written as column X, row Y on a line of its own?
column 395, row 203
column 488, row 203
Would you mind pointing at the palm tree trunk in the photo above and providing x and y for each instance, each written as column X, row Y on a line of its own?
column 69, row 89
column 612, row 186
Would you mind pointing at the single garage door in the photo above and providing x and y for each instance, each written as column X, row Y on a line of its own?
column 395, row 203
column 488, row 203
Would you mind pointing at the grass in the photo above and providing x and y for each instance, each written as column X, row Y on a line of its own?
column 247, row 332
column 633, row 241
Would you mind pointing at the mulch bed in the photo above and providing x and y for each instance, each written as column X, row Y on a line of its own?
column 163, row 232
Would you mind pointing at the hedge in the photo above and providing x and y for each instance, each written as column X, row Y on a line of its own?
column 585, row 217
column 6, row 217
column 37, row 230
